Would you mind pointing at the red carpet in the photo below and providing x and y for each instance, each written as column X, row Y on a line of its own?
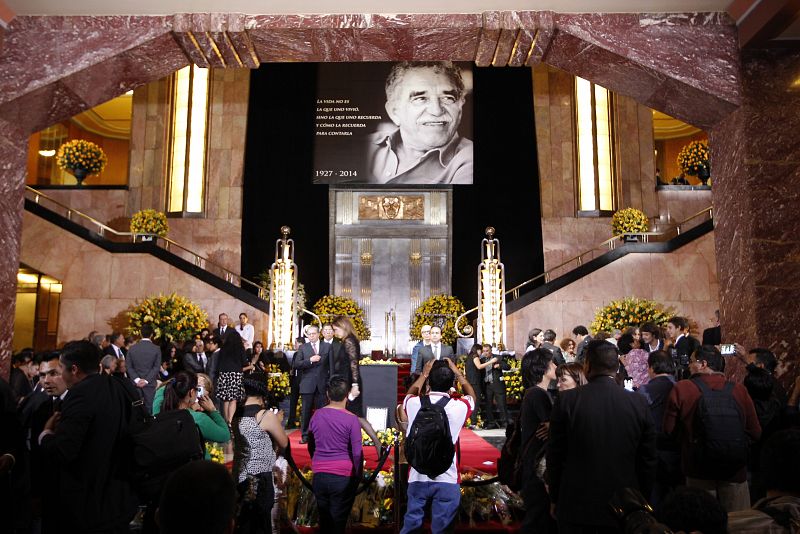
column 475, row 452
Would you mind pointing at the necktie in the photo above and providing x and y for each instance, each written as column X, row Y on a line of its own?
column 222, row 331
column 436, row 352
column 314, row 346
column 56, row 404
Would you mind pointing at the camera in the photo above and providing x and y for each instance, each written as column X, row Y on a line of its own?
column 726, row 349
column 200, row 392
column 629, row 384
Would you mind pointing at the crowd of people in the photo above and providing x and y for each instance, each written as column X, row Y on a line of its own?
column 642, row 409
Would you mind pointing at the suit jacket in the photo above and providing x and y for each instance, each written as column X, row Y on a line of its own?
column 314, row 375
column 335, row 346
column 88, row 450
column 144, row 361
column 109, row 351
column 602, row 438
column 228, row 329
column 579, row 355
column 190, row 362
column 558, row 356
column 497, row 372
column 426, row 354
column 212, row 366
column 712, row 336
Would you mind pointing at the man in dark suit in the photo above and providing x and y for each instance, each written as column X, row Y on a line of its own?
column 435, row 351
column 495, row 388
column 223, row 327
column 43, row 480
column 84, row 441
column 683, row 345
column 713, row 335
column 144, row 363
column 312, row 360
column 582, row 339
column 602, row 439
column 335, row 345
column 196, row 361
column 549, row 339
column 117, row 346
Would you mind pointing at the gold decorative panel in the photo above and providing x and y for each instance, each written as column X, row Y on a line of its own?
column 391, row 207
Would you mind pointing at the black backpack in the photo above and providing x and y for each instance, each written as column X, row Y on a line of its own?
column 429, row 445
column 158, row 445
column 719, row 442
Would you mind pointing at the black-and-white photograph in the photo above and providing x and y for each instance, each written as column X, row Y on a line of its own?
column 405, row 123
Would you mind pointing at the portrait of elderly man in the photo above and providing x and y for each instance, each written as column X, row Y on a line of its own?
column 424, row 100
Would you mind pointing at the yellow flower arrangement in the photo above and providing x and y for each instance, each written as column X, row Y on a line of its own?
column 693, row 158
column 173, row 317
column 630, row 311
column 386, row 437
column 439, row 310
column 278, row 383
column 629, row 221
column 149, row 222
column 81, row 155
column 215, row 451
column 513, row 381
column 330, row 306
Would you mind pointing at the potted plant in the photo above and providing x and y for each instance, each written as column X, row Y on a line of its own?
column 149, row 222
column 693, row 160
column 629, row 221
column 81, row 158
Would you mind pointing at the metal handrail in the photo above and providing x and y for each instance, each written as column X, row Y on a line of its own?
column 102, row 229
column 611, row 244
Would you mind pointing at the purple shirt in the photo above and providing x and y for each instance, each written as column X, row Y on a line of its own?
column 337, row 437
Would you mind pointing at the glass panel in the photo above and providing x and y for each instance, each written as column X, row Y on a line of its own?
column 197, row 143
column 603, row 137
column 180, row 123
column 583, row 101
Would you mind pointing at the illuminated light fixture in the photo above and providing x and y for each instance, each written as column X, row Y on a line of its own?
column 27, row 278
column 283, row 295
column 491, row 293
column 188, row 154
column 129, row 93
column 47, row 153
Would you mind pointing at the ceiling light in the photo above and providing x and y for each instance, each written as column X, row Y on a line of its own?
column 47, row 153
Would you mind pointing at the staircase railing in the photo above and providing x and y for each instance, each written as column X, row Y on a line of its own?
column 89, row 222
column 611, row 244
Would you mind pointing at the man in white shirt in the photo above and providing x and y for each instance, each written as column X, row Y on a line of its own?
column 246, row 331
column 443, row 491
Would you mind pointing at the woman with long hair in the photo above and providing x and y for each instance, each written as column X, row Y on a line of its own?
column 233, row 362
column 535, row 339
column 258, row 431
column 570, row 376
column 346, row 362
column 634, row 359
column 568, row 349
column 538, row 369
column 181, row 393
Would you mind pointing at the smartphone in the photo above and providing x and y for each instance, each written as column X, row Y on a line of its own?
column 629, row 384
column 200, row 391
column 727, row 349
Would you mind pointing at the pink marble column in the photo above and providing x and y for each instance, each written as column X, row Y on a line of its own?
column 755, row 154
column 13, row 152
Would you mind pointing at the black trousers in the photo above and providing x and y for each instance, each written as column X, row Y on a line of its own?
column 294, row 395
column 311, row 402
column 496, row 394
column 335, row 495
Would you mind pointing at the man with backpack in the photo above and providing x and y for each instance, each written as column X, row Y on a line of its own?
column 715, row 421
column 434, row 423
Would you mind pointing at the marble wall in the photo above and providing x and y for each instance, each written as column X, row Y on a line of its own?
column 685, row 279
column 98, row 286
column 756, row 194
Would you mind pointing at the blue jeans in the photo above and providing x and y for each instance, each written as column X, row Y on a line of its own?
column 334, row 495
column 445, row 499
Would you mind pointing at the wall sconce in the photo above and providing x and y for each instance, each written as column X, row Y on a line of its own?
column 491, row 293
column 283, row 295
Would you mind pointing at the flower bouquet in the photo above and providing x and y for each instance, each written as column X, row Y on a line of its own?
column 81, row 158
column 173, row 317
column 441, row 311
column 629, row 221
column 630, row 311
column 149, row 222
column 693, row 159
column 330, row 306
